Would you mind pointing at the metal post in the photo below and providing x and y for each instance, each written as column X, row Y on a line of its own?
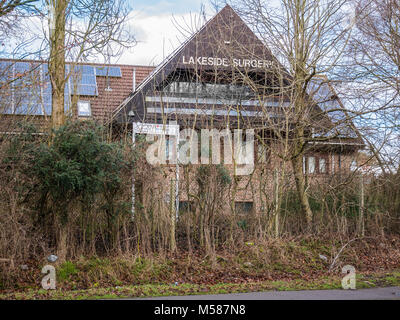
column 361, row 222
column 177, row 175
column 149, row 128
column 133, row 177
column 134, row 80
column 276, row 200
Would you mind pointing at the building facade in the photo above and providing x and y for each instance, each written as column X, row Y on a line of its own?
column 222, row 79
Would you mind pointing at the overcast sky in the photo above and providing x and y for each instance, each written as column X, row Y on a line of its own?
column 152, row 22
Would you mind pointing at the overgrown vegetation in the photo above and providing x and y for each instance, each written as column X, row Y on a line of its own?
column 70, row 194
column 279, row 264
column 159, row 290
column 63, row 193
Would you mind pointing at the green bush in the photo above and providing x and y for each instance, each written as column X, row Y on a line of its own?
column 77, row 165
column 72, row 177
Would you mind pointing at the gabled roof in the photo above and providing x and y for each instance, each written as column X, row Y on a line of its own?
column 224, row 43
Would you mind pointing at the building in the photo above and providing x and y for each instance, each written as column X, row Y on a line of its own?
column 221, row 77
column 25, row 91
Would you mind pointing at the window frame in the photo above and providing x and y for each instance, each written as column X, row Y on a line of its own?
column 309, row 164
column 325, row 161
column 243, row 204
column 90, row 108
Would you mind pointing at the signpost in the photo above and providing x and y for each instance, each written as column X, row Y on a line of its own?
column 157, row 129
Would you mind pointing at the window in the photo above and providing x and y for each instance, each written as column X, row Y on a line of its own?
column 262, row 156
column 353, row 165
column 243, row 207
column 244, row 154
column 166, row 147
column 84, row 109
column 311, row 164
column 202, row 89
column 186, row 207
column 322, row 165
column 169, row 148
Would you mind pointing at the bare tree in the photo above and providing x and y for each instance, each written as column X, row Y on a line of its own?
column 7, row 7
column 309, row 39
column 80, row 29
column 375, row 63
column 11, row 14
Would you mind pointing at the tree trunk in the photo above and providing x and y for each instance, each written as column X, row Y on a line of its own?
column 276, row 203
column 57, row 61
column 297, row 164
column 361, row 226
column 172, row 213
column 62, row 243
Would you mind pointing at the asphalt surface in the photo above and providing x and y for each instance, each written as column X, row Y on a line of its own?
column 388, row 293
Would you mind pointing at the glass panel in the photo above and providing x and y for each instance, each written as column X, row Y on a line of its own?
column 311, row 164
column 262, row 153
column 108, row 71
column 6, row 75
column 84, row 79
column 84, row 109
column 186, row 207
column 353, row 165
column 243, row 207
column 216, row 90
column 322, row 165
column 27, row 88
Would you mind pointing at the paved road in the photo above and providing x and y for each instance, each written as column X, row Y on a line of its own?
column 389, row 293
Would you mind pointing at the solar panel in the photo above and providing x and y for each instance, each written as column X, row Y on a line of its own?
column 84, row 69
column 21, row 68
column 84, row 90
column 87, row 90
column 27, row 88
column 6, row 72
column 87, row 79
column 46, row 90
column 67, row 92
column 30, row 92
column 107, row 71
column 325, row 97
column 84, row 80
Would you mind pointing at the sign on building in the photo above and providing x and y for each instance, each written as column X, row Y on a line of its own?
column 157, row 129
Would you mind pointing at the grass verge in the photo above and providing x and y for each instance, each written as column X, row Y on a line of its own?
column 367, row 280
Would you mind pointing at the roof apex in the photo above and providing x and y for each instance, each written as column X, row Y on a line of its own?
column 223, row 42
